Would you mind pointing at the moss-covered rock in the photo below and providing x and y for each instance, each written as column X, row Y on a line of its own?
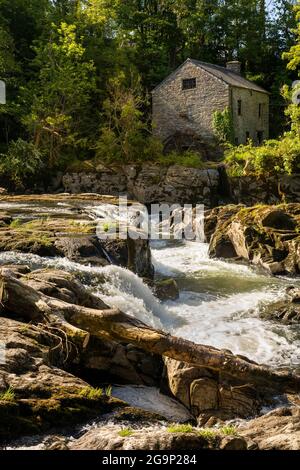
column 44, row 395
column 263, row 235
column 61, row 226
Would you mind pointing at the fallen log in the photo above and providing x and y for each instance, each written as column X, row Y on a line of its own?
column 81, row 322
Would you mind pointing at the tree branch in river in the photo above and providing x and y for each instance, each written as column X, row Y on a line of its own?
column 81, row 322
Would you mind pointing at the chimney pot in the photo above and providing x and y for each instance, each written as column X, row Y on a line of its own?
column 234, row 66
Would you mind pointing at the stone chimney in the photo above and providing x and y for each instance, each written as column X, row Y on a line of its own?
column 234, row 66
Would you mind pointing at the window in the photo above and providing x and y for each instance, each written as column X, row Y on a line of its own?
column 260, row 110
column 189, row 83
column 260, row 136
column 247, row 136
column 239, row 107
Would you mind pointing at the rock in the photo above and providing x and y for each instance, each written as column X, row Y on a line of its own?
column 233, row 443
column 73, row 236
column 277, row 430
column 42, row 395
column 110, row 438
column 85, row 250
column 102, row 180
column 264, row 235
column 218, row 216
column 137, row 416
column 166, row 289
column 207, row 394
column 286, row 310
column 148, row 182
column 122, row 363
column 63, row 286
column 5, row 218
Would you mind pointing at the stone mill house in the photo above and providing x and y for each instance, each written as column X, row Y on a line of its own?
column 184, row 103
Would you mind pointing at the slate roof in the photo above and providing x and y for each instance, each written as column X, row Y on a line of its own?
column 224, row 74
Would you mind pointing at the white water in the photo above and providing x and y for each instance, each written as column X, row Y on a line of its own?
column 218, row 302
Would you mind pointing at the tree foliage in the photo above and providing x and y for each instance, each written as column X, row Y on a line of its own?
column 60, row 60
column 223, row 126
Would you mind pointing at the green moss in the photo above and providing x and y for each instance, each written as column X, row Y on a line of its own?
column 91, row 393
column 8, row 395
column 208, row 434
column 41, row 239
column 182, row 428
column 228, row 430
column 187, row 159
column 15, row 223
column 126, row 432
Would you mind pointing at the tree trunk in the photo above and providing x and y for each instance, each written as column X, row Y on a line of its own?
column 80, row 322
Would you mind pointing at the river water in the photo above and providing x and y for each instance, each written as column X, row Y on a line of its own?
column 218, row 305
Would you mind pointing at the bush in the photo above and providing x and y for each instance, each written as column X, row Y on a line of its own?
column 273, row 157
column 189, row 159
column 223, row 126
column 21, row 161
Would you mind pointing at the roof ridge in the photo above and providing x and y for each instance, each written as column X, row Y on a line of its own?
column 222, row 73
column 227, row 74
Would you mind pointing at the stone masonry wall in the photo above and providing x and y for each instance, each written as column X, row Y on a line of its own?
column 149, row 183
column 188, row 111
column 249, row 120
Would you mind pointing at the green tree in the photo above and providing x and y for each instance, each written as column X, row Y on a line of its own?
column 126, row 137
column 292, row 94
column 61, row 94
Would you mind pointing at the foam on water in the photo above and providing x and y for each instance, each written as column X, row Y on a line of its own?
column 217, row 315
column 218, row 302
column 116, row 286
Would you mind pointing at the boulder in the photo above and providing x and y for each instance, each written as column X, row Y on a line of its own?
column 35, row 392
column 148, row 438
column 166, row 289
column 267, row 236
column 208, row 394
column 64, row 286
column 286, row 310
column 276, row 430
column 73, row 236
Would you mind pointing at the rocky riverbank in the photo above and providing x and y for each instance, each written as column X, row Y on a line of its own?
column 62, row 345
column 151, row 183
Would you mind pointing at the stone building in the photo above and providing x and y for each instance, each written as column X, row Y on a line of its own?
column 184, row 104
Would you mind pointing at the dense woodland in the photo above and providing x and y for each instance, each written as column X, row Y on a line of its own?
column 79, row 75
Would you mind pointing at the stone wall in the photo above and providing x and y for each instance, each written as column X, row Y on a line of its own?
column 272, row 190
column 249, row 120
column 149, row 183
column 188, row 111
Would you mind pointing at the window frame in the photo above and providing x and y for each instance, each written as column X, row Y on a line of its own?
column 239, row 107
column 189, row 84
